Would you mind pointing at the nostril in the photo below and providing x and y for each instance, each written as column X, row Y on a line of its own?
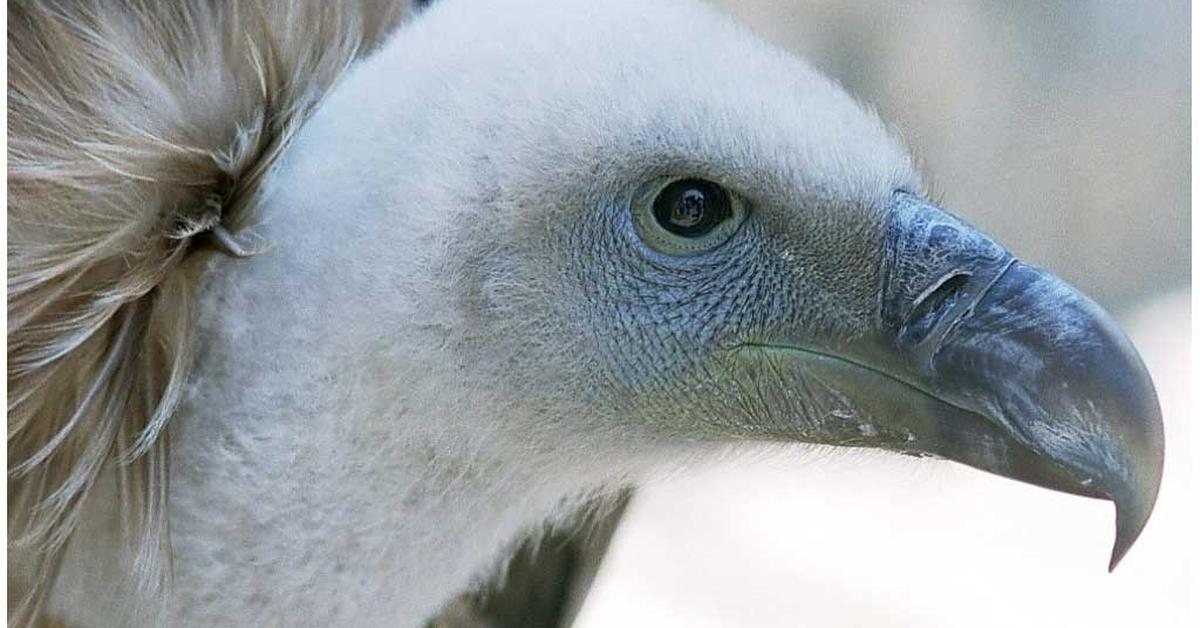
column 932, row 306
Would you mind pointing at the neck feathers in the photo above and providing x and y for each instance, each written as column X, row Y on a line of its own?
column 136, row 132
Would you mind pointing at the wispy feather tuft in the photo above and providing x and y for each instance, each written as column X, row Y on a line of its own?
column 137, row 128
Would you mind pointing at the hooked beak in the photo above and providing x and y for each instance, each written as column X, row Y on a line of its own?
column 992, row 363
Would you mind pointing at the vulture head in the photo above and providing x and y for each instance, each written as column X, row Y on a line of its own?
column 526, row 253
column 648, row 231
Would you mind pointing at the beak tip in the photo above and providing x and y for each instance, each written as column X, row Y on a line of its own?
column 1120, row 548
column 1132, row 515
column 1118, row 552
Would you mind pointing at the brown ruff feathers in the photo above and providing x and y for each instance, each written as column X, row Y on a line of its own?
column 126, row 118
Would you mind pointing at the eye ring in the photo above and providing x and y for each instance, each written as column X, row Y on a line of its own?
column 686, row 216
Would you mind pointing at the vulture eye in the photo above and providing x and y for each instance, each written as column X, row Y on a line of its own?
column 691, row 208
column 687, row 216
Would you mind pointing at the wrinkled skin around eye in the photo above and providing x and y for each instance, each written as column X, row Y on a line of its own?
column 655, row 330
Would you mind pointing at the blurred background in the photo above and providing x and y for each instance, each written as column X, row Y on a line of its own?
column 1061, row 128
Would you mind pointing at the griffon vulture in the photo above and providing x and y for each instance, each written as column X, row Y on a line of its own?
column 388, row 305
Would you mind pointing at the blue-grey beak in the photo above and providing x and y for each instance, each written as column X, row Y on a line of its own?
column 1030, row 379
column 981, row 359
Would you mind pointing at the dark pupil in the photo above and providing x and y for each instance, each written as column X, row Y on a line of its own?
column 691, row 207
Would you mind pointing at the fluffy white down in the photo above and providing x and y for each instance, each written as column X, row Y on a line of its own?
column 337, row 462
